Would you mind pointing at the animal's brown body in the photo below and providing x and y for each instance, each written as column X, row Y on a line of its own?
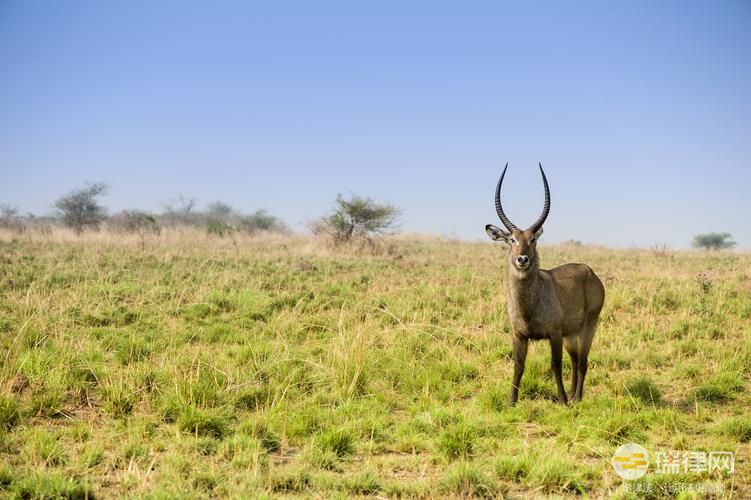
column 561, row 304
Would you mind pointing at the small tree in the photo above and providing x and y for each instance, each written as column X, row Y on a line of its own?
column 136, row 222
column 79, row 208
column 220, row 219
column 713, row 241
column 357, row 217
column 10, row 219
column 261, row 220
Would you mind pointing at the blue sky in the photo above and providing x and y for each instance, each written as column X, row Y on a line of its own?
column 639, row 111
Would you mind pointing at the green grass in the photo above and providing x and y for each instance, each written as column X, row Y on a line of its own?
column 251, row 367
column 645, row 390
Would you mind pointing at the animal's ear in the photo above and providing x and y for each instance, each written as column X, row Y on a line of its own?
column 496, row 233
column 538, row 233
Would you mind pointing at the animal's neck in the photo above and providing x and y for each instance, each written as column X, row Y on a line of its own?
column 524, row 288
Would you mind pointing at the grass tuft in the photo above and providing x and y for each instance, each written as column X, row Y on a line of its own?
column 645, row 390
column 738, row 428
column 10, row 413
column 339, row 442
column 51, row 486
column 289, row 482
column 466, row 480
column 204, row 422
column 365, row 483
column 458, row 441
column 712, row 393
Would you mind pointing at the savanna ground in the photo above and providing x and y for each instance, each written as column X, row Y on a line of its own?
column 198, row 367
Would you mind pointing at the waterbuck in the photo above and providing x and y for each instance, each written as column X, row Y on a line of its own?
column 560, row 304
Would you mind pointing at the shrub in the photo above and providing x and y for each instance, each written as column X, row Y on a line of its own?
column 9, row 219
column 713, row 241
column 79, row 209
column 354, row 217
column 136, row 222
column 260, row 220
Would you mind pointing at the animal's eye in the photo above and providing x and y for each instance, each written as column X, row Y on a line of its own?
column 513, row 240
column 532, row 241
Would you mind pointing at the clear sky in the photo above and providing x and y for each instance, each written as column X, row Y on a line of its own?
column 640, row 111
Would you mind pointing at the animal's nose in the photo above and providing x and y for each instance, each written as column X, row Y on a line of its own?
column 522, row 259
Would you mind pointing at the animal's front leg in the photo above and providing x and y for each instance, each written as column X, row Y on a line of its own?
column 520, row 356
column 556, row 352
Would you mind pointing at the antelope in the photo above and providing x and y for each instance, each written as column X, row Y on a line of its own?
column 561, row 305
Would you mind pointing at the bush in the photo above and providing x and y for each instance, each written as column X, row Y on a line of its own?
column 79, row 208
column 260, row 220
column 222, row 219
column 218, row 228
column 355, row 217
column 9, row 219
column 135, row 221
column 713, row 241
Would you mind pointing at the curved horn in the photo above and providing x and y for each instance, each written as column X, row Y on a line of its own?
column 498, row 208
column 546, row 208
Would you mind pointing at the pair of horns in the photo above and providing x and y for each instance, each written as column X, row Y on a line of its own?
column 545, row 209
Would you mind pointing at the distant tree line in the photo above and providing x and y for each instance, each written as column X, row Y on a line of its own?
column 353, row 218
column 81, row 210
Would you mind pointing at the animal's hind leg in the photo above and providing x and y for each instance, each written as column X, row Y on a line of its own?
column 585, row 343
column 556, row 352
column 572, row 348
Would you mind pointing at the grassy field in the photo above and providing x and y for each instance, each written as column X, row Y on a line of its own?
column 198, row 367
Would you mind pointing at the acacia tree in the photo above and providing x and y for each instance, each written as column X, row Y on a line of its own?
column 10, row 219
column 80, row 209
column 357, row 216
column 713, row 241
